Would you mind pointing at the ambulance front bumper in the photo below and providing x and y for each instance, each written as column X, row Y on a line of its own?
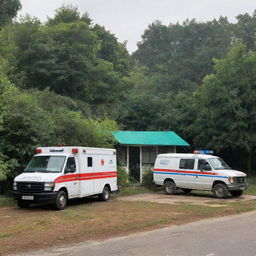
column 45, row 197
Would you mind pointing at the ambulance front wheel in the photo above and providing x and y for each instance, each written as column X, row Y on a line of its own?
column 61, row 200
column 104, row 196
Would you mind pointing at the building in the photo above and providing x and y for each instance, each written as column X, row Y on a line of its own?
column 137, row 150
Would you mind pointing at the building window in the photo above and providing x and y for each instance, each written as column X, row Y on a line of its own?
column 148, row 155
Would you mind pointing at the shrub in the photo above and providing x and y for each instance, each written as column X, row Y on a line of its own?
column 122, row 177
column 147, row 178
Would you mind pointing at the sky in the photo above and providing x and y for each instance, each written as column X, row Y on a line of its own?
column 128, row 19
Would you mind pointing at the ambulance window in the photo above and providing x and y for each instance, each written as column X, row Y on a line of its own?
column 204, row 165
column 89, row 161
column 187, row 163
column 71, row 165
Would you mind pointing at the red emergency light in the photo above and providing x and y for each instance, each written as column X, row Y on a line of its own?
column 74, row 150
column 38, row 150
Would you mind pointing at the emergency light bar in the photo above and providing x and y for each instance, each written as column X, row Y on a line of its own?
column 206, row 152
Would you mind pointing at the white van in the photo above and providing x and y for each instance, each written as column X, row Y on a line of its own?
column 198, row 171
column 56, row 174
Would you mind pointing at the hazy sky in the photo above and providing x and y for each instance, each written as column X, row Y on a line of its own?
column 128, row 19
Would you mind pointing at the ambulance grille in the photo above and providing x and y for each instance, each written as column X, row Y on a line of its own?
column 30, row 187
column 240, row 180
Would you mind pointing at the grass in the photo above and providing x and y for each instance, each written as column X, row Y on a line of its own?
column 251, row 190
column 39, row 227
column 128, row 191
column 7, row 201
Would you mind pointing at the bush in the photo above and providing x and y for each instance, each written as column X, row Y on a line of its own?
column 122, row 177
column 147, row 179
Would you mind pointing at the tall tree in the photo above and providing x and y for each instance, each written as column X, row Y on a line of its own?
column 8, row 10
column 225, row 105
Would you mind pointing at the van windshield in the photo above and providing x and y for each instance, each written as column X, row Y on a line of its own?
column 50, row 164
column 218, row 164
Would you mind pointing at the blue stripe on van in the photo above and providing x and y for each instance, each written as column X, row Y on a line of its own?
column 189, row 174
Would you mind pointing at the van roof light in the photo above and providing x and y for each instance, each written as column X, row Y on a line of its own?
column 206, row 152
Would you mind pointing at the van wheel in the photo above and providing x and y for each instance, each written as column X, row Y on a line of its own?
column 23, row 204
column 220, row 191
column 104, row 196
column 186, row 190
column 170, row 188
column 61, row 200
column 236, row 193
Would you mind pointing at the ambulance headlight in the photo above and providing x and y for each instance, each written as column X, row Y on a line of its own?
column 231, row 179
column 49, row 186
column 14, row 187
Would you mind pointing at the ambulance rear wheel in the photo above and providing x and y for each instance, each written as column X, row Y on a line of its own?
column 61, row 200
column 104, row 196
column 170, row 187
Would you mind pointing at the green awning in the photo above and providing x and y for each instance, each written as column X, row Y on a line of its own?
column 166, row 138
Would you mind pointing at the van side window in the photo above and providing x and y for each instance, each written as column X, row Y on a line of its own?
column 204, row 165
column 187, row 163
column 89, row 161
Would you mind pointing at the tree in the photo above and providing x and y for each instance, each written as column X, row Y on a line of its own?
column 225, row 105
column 8, row 10
column 245, row 30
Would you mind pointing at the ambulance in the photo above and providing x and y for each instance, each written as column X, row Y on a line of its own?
column 198, row 171
column 56, row 174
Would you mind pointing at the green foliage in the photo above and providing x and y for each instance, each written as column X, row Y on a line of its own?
column 122, row 177
column 28, row 121
column 7, row 201
column 226, row 104
column 65, row 14
column 70, row 57
column 8, row 10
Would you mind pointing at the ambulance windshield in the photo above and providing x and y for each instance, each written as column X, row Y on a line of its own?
column 218, row 164
column 49, row 164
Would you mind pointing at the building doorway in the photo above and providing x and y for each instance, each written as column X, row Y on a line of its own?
column 134, row 163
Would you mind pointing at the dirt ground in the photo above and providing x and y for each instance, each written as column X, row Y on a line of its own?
column 23, row 230
column 192, row 198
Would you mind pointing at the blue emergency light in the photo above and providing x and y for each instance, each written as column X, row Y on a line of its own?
column 206, row 152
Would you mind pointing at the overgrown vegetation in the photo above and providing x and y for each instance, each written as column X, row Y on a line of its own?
column 70, row 81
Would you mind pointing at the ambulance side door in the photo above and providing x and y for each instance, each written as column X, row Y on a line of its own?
column 87, row 175
column 72, row 177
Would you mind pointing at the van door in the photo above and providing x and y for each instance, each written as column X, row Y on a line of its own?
column 205, row 175
column 72, row 175
column 186, row 179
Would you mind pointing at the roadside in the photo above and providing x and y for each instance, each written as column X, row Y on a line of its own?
column 203, row 238
column 88, row 219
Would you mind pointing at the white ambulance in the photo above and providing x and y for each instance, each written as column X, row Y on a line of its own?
column 56, row 174
column 199, row 171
